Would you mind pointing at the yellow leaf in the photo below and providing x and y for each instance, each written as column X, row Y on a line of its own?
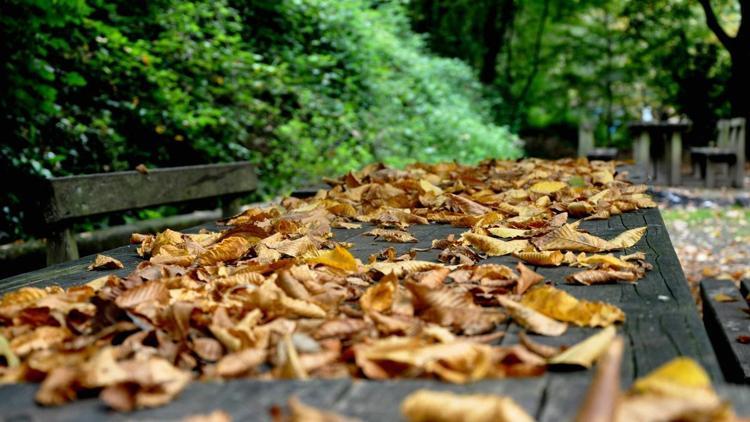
column 390, row 235
column 439, row 406
column 586, row 352
column 548, row 186
column 569, row 239
column 627, row 239
column 672, row 377
column 608, row 260
column 531, row 319
column 602, row 177
column 429, row 187
column 337, row 258
column 562, row 306
column 495, row 247
column 723, row 297
column 401, row 268
column 506, row 232
column 678, row 390
column 541, row 258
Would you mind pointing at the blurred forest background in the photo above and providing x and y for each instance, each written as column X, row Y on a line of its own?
column 304, row 88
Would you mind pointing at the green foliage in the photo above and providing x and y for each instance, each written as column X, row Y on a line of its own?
column 301, row 88
column 560, row 61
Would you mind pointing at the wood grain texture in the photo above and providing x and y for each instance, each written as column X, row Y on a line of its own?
column 79, row 196
column 725, row 322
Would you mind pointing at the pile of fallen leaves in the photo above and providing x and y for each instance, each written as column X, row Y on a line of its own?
column 274, row 296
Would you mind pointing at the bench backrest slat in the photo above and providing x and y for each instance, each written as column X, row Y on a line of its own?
column 80, row 196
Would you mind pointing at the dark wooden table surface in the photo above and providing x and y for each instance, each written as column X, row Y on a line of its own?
column 662, row 323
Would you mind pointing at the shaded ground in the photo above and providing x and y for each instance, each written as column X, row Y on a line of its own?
column 710, row 230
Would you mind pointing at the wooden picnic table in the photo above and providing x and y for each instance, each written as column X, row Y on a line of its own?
column 658, row 149
column 662, row 323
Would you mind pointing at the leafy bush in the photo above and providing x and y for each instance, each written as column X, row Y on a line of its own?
column 301, row 88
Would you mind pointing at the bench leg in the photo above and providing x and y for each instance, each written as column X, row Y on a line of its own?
column 61, row 246
column 675, row 159
column 230, row 206
column 710, row 174
column 737, row 174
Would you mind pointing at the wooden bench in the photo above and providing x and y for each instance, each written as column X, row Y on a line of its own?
column 68, row 199
column 728, row 325
column 728, row 156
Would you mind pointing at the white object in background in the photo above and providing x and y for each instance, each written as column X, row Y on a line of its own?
column 647, row 115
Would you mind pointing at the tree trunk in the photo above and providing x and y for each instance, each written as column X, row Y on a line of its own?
column 497, row 21
column 739, row 50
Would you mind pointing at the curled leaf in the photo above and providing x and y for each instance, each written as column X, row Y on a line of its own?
column 544, row 258
column 439, row 406
column 586, row 352
column 338, row 258
column 495, row 247
column 531, row 319
column 104, row 262
column 562, row 306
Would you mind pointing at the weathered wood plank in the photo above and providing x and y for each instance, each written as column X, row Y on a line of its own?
column 79, row 196
column 725, row 321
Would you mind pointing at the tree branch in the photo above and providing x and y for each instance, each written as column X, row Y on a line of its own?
column 715, row 26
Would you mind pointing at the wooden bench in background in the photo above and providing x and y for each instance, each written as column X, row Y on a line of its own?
column 728, row 324
column 727, row 156
column 69, row 199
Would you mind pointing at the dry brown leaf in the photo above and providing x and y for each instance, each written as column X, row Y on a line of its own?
column 300, row 412
column 439, row 406
column 562, row 306
column 379, row 297
column 495, row 247
column 586, row 352
column 467, row 206
column 154, row 290
column 569, row 239
column 526, row 279
column 531, row 319
column 627, row 238
column 275, row 302
column 456, row 362
column 240, row 363
column 401, row 268
column 590, row 277
column 507, row 232
column 543, row 258
column 229, row 249
column 104, row 262
column 540, row 349
column 450, row 308
column 390, row 235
